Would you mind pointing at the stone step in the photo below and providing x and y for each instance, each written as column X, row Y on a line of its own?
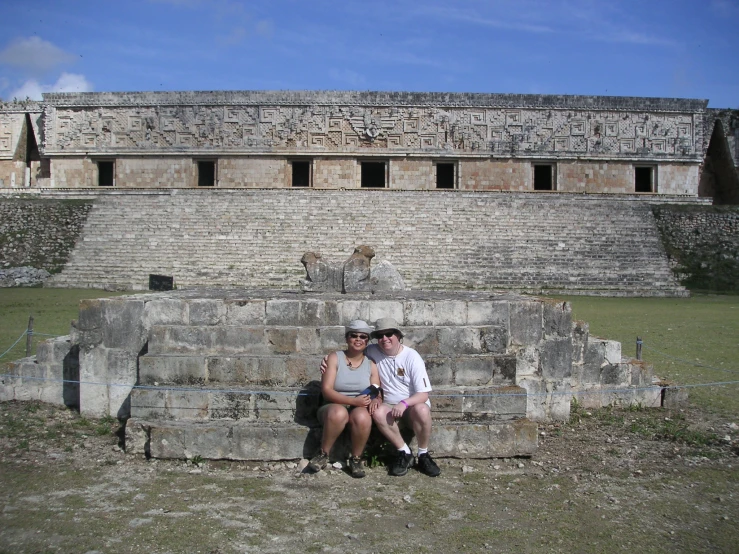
column 258, row 238
column 299, row 369
column 299, row 404
column 247, row 440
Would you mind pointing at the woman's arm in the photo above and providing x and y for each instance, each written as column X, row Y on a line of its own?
column 375, row 380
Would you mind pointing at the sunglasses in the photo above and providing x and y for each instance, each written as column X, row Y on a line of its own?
column 358, row 336
column 386, row 334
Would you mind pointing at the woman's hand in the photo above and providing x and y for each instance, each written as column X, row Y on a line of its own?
column 398, row 410
column 373, row 405
column 362, row 401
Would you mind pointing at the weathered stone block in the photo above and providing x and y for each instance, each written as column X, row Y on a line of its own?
column 504, row 369
column 449, row 312
column 474, row 371
column 53, row 351
column 90, row 323
column 332, row 339
column 349, row 310
column 423, row 339
column 187, row 404
column 167, row 442
column 282, row 312
column 580, row 333
column 301, row 370
column 237, row 370
column 309, row 341
column 124, row 324
column 137, row 437
column 272, row 371
column 439, row 370
column 487, row 313
column 615, row 374
column 275, row 406
column 282, row 341
column 93, row 381
column 270, row 443
column 209, row 441
column 207, row 312
column 166, row 311
column 384, row 277
column 246, row 312
column 527, row 362
column 459, row 340
column 494, row 339
column 497, row 402
column 236, row 340
column 179, row 370
column 557, row 319
column 230, row 405
column 386, row 308
column 556, row 358
column 122, row 377
column 419, row 312
column 525, row 322
column 147, row 403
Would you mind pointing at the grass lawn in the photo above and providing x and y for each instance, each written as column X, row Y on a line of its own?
column 52, row 311
column 687, row 340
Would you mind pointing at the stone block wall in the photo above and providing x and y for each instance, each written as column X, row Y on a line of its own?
column 74, row 172
column 253, row 172
column 471, row 342
column 412, row 174
column 336, row 173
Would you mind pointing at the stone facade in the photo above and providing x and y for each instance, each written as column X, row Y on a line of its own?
column 257, row 139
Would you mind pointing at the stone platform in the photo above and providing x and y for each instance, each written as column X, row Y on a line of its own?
column 234, row 373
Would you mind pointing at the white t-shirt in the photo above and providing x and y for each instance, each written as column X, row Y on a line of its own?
column 402, row 375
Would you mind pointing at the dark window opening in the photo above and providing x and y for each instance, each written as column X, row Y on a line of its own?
column 206, row 174
column 644, row 179
column 373, row 174
column 301, row 174
column 106, row 174
column 543, row 177
column 445, row 176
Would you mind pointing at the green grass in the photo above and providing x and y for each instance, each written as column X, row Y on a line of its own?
column 52, row 309
column 687, row 340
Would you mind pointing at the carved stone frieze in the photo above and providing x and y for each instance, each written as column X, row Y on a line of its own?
column 355, row 128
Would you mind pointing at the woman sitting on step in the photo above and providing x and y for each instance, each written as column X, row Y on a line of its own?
column 350, row 388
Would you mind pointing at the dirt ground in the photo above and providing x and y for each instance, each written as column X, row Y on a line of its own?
column 609, row 480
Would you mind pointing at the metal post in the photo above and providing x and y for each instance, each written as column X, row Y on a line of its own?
column 29, row 336
column 638, row 348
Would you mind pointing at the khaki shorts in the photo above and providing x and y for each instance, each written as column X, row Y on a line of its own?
column 322, row 410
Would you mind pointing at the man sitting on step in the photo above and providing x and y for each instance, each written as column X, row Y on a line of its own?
column 406, row 385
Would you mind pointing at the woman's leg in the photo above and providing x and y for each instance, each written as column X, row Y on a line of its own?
column 334, row 418
column 360, row 423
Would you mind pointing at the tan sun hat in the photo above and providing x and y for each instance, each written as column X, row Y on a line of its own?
column 357, row 326
column 386, row 324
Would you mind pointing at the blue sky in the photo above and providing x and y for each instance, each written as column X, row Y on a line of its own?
column 677, row 48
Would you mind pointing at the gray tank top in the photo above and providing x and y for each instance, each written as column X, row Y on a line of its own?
column 352, row 381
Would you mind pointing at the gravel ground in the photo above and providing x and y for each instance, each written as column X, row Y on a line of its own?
column 608, row 480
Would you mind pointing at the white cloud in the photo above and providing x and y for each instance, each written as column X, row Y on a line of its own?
column 352, row 78
column 67, row 82
column 34, row 55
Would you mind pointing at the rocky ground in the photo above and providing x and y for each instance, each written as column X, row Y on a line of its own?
column 609, row 480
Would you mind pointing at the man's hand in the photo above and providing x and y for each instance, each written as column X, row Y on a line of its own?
column 324, row 364
column 374, row 405
column 398, row 410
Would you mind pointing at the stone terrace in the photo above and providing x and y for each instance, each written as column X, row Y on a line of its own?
column 537, row 243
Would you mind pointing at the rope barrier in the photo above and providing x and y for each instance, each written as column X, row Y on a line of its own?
column 433, row 394
column 653, row 388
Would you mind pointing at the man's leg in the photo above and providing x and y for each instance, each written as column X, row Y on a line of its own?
column 420, row 419
column 389, row 428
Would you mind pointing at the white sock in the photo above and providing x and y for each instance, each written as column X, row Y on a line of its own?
column 405, row 448
column 422, row 451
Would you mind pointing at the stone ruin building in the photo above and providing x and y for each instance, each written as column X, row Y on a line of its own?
column 480, row 196
column 379, row 140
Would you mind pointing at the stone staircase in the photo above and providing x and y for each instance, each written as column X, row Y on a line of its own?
column 239, row 380
column 541, row 243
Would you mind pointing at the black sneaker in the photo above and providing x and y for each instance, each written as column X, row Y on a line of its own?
column 428, row 466
column 401, row 464
column 318, row 462
column 356, row 466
